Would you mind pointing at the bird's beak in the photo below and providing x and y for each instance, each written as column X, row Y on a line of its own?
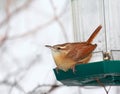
column 49, row 46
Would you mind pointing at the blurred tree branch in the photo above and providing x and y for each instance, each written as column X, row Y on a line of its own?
column 44, row 25
column 12, row 85
column 3, row 38
column 17, row 10
column 58, row 20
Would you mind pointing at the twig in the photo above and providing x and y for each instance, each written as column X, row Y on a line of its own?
column 53, row 87
column 7, row 19
column 36, row 29
column 101, row 84
column 58, row 20
column 14, row 84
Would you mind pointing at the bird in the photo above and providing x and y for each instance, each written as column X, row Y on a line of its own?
column 68, row 55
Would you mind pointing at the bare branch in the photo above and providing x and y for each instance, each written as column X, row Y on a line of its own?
column 58, row 20
column 101, row 84
column 37, row 28
column 37, row 88
column 15, row 84
column 19, row 9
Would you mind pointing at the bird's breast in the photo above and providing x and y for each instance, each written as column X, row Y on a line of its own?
column 62, row 62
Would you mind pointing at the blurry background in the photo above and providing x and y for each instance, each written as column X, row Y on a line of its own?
column 26, row 66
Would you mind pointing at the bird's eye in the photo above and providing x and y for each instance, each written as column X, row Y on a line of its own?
column 58, row 48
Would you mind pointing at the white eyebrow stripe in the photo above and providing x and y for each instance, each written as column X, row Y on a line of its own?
column 62, row 47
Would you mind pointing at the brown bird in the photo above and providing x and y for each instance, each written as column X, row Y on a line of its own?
column 67, row 55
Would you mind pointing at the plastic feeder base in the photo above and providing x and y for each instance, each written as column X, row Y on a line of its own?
column 108, row 73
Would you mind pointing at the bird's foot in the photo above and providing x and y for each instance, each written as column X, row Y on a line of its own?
column 73, row 69
column 56, row 69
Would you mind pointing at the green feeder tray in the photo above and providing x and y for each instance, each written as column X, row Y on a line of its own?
column 108, row 73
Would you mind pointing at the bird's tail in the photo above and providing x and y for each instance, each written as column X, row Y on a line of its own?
column 94, row 34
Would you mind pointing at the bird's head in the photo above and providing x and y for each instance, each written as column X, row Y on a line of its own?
column 60, row 48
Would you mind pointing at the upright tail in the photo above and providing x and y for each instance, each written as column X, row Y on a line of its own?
column 94, row 34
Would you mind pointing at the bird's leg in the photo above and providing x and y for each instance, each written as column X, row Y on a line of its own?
column 73, row 68
column 57, row 69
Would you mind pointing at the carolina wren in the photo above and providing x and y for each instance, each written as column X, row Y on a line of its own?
column 67, row 55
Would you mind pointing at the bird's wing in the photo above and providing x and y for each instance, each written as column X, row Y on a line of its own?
column 80, row 51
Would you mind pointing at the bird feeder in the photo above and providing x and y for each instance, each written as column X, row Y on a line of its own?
column 86, row 14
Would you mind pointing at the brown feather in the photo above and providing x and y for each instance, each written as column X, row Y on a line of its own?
column 91, row 38
column 80, row 50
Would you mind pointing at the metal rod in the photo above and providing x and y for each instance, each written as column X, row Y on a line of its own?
column 104, row 14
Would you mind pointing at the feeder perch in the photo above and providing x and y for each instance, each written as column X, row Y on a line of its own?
column 108, row 73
